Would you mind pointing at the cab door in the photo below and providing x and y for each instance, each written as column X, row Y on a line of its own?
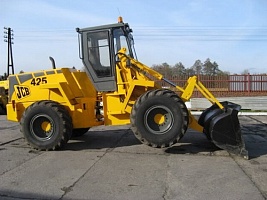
column 98, row 59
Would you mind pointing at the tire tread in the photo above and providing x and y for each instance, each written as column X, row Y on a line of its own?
column 64, row 115
column 145, row 97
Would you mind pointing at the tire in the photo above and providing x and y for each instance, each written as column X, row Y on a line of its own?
column 159, row 118
column 2, row 110
column 77, row 132
column 46, row 125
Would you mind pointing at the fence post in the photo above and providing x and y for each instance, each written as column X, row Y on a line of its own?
column 249, row 84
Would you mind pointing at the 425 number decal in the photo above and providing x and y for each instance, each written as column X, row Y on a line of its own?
column 39, row 81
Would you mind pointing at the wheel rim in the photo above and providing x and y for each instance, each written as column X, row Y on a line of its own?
column 42, row 127
column 158, row 119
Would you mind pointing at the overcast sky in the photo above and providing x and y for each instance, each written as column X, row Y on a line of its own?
column 231, row 32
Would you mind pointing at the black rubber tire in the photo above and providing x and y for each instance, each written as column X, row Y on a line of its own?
column 48, row 115
column 2, row 110
column 170, row 109
column 77, row 132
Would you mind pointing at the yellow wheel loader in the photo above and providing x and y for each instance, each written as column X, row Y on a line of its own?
column 116, row 89
column 3, row 96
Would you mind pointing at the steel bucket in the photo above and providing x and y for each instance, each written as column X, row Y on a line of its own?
column 222, row 127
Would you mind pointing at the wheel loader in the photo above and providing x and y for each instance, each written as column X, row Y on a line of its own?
column 3, row 96
column 114, row 89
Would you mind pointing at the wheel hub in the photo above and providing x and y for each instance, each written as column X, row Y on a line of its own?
column 46, row 126
column 42, row 127
column 158, row 119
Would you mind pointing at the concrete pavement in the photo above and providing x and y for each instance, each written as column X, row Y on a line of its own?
column 109, row 163
column 257, row 103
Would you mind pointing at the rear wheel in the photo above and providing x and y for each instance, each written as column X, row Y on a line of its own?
column 159, row 118
column 2, row 109
column 46, row 125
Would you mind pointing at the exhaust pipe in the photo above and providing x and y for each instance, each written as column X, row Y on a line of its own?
column 53, row 62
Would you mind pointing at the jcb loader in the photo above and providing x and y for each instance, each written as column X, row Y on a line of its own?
column 3, row 96
column 54, row 105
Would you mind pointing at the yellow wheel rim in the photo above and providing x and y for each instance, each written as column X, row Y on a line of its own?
column 46, row 126
column 159, row 119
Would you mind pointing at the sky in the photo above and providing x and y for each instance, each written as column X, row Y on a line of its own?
column 233, row 33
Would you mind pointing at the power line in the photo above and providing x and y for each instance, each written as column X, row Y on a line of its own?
column 190, row 33
column 9, row 39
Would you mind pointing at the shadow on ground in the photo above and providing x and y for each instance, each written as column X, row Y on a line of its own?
column 102, row 140
column 255, row 136
column 192, row 143
column 12, row 194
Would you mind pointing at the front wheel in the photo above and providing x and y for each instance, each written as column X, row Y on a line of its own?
column 159, row 118
column 46, row 125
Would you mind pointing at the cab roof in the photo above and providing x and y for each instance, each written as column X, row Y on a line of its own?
column 103, row 27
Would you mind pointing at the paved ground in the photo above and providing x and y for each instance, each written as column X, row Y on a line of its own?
column 257, row 103
column 109, row 163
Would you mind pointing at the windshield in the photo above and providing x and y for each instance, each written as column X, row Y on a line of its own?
column 130, row 36
column 122, row 40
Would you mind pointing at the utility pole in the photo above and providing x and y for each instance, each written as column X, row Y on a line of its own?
column 9, row 39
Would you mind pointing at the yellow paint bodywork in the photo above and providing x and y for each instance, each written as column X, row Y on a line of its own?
column 4, row 84
column 69, row 87
column 74, row 90
column 131, row 83
column 142, row 73
column 3, row 93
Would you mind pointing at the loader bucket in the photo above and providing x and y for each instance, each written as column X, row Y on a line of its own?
column 222, row 127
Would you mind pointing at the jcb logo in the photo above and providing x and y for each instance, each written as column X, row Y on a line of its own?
column 22, row 91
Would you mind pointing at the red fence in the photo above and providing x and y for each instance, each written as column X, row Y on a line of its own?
column 228, row 85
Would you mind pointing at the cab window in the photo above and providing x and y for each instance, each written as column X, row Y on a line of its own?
column 99, row 54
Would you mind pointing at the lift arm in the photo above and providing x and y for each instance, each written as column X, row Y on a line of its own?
column 187, row 91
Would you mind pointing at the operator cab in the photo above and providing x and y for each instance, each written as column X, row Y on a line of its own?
column 98, row 48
